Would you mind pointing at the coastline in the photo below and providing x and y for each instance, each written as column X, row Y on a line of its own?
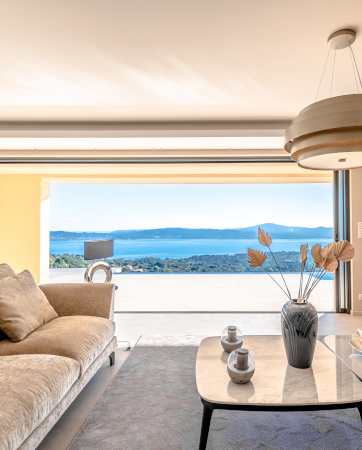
column 181, row 248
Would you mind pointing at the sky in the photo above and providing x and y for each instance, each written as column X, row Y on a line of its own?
column 109, row 207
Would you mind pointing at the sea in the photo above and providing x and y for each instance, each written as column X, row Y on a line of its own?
column 181, row 248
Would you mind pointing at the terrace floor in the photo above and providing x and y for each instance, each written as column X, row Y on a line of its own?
column 197, row 304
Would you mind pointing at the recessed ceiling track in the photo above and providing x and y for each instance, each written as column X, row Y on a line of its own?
column 144, row 156
column 142, row 160
column 210, row 128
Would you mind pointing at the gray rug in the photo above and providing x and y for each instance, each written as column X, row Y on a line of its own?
column 153, row 404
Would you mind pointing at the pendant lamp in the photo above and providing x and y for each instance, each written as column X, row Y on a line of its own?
column 327, row 135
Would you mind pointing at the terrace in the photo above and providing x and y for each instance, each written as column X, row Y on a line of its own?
column 189, row 304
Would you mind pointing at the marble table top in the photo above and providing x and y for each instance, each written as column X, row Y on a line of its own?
column 340, row 345
column 275, row 383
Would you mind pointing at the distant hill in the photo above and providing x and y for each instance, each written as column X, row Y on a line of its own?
column 276, row 231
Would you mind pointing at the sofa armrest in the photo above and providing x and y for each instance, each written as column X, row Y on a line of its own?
column 81, row 299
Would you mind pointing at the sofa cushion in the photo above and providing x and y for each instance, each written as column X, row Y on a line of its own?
column 30, row 387
column 23, row 306
column 81, row 338
column 6, row 271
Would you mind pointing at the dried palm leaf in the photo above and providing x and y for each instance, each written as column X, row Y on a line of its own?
column 256, row 258
column 324, row 255
column 331, row 264
column 343, row 251
column 327, row 250
column 320, row 261
column 264, row 237
column 315, row 252
column 318, row 257
column 303, row 254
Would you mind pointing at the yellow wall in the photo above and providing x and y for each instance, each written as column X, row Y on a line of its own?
column 356, row 216
column 21, row 199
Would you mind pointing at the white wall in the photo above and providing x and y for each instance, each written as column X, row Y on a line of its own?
column 356, row 216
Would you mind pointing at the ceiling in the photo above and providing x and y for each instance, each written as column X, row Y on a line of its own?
column 155, row 61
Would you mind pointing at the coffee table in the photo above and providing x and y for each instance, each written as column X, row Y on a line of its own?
column 275, row 386
column 341, row 347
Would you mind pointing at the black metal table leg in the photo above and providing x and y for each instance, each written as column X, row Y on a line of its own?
column 206, row 419
column 360, row 409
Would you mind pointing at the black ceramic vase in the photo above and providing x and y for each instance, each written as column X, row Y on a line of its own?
column 299, row 329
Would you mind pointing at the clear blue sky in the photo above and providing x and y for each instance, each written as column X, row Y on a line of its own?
column 107, row 207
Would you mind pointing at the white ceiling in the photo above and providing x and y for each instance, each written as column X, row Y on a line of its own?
column 170, row 59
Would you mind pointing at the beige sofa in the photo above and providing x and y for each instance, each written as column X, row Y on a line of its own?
column 43, row 373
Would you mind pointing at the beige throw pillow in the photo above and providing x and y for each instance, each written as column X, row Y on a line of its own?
column 23, row 306
column 6, row 271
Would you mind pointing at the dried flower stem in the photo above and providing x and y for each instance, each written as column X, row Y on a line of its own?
column 319, row 275
column 302, row 266
column 311, row 273
column 316, row 281
column 276, row 282
column 280, row 274
column 310, row 280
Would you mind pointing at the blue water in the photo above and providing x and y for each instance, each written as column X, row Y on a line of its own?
column 326, row 276
column 181, row 248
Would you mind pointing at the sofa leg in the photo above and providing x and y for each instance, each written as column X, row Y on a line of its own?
column 112, row 358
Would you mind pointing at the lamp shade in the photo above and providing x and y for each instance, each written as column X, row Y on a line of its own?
column 98, row 249
column 327, row 135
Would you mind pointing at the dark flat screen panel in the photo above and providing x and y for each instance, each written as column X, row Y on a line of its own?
column 98, row 249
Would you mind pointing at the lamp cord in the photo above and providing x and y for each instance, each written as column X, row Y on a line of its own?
column 334, row 62
column 324, row 69
column 354, row 70
column 355, row 66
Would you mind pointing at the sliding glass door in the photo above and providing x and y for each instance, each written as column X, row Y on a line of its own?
column 342, row 232
column 183, row 247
